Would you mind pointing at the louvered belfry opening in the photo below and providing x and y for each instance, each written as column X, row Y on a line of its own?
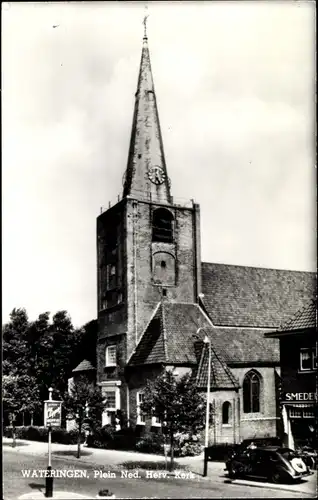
column 162, row 226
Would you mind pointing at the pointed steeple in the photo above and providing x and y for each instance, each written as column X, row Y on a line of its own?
column 146, row 174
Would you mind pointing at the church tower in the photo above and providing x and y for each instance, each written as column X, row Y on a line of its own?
column 148, row 245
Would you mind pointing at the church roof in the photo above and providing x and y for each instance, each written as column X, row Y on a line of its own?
column 170, row 338
column 254, row 297
column 221, row 375
column 84, row 366
column 146, row 159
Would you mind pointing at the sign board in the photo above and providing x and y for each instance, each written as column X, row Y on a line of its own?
column 52, row 413
column 300, row 396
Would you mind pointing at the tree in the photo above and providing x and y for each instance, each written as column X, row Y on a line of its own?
column 84, row 403
column 16, row 355
column 20, row 394
column 177, row 403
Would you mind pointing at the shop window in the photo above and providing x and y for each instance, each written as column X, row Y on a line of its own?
column 162, row 226
column 141, row 420
column 308, row 413
column 251, row 392
column 226, row 408
column 308, row 359
column 110, row 355
column 295, row 413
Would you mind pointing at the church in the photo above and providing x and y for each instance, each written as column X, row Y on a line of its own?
column 160, row 307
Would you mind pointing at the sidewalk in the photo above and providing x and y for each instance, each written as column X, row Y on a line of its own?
column 116, row 459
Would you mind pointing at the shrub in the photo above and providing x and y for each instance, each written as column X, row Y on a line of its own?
column 60, row 435
column 187, row 445
column 101, row 437
column 30, row 433
column 125, row 439
column 189, row 449
column 150, row 443
column 36, row 433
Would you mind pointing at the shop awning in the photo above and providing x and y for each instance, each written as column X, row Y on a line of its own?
column 300, row 405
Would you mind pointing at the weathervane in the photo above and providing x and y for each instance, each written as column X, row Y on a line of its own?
column 145, row 24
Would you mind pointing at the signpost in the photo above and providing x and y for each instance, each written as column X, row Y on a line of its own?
column 52, row 418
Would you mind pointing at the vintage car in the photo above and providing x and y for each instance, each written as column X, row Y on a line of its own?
column 272, row 463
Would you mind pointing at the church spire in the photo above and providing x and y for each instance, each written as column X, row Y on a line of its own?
column 146, row 174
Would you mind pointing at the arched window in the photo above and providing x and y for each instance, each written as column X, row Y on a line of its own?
column 226, row 412
column 251, row 392
column 162, row 229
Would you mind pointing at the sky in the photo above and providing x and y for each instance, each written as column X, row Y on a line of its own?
column 235, row 88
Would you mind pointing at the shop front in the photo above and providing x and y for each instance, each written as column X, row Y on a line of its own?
column 299, row 413
column 298, row 385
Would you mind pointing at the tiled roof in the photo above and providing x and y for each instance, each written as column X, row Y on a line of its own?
column 254, row 297
column 304, row 318
column 221, row 375
column 151, row 348
column 245, row 345
column 84, row 366
column 170, row 338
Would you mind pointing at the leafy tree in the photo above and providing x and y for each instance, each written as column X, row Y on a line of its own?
column 86, row 348
column 44, row 350
column 20, row 394
column 16, row 352
column 84, row 403
column 65, row 343
column 177, row 403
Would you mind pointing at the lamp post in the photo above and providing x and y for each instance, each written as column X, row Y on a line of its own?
column 207, row 417
column 49, row 477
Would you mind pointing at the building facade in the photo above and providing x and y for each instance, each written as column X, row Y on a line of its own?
column 298, row 390
column 157, row 300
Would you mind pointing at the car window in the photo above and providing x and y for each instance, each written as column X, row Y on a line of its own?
column 287, row 453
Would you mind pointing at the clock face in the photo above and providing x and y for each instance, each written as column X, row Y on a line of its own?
column 156, row 174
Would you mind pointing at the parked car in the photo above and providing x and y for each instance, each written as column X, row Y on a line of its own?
column 272, row 463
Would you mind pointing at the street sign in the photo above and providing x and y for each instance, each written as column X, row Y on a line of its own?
column 52, row 413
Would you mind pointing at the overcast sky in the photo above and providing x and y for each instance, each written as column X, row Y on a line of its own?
column 235, row 90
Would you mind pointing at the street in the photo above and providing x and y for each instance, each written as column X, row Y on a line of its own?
column 15, row 484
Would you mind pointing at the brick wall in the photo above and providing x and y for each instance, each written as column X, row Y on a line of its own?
column 220, row 432
column 137, row 380
column 143, row 294
column 264, row 423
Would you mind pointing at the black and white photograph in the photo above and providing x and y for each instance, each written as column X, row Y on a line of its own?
column 159, row 265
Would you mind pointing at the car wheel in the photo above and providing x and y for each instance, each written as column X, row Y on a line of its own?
column 233, row 471
column 275, row 477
